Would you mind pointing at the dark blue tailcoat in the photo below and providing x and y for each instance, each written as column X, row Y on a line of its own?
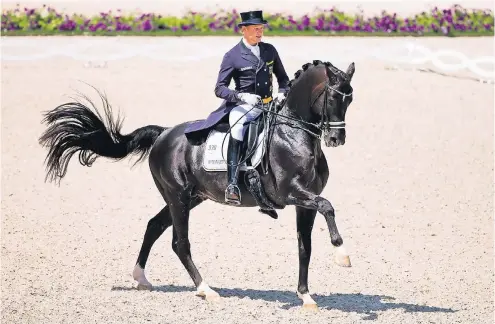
column 250, row 75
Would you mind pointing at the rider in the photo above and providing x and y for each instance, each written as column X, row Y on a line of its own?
column 251, row 64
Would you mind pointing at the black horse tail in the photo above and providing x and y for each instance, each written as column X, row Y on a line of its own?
column 74, row 127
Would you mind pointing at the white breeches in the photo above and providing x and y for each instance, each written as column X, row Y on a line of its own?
column 240, row 115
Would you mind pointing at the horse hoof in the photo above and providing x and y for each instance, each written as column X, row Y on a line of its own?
column 342, row 258
column 138, row 275
column 213, row 297
column 207, row 293
column 144, row 286
column 308, row 302
column 343, row 261
column 310, row 306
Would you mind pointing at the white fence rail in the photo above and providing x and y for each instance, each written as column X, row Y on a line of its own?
column 442, row 60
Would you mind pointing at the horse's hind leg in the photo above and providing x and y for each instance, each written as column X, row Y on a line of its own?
column 182, row 247
column 202, row 289
column 156, row 227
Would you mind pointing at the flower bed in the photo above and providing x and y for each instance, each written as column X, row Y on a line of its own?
column 454, row 21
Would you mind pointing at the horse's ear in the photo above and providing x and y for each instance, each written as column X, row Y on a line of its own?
column 350, row 70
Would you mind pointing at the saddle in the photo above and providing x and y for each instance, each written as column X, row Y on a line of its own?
column 253, row 149
column 254, row 153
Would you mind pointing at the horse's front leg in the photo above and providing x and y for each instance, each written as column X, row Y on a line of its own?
column 323, row 206
column 305, row 221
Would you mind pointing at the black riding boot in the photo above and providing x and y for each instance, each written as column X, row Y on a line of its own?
column 233, row 193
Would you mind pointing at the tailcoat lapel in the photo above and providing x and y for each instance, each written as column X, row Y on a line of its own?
column 248, row 55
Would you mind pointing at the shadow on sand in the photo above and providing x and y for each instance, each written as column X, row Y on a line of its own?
column 356, row 303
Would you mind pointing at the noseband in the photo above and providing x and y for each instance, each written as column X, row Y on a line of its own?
column 325, row 124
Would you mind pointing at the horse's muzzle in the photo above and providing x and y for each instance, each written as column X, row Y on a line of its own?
column 335, row 138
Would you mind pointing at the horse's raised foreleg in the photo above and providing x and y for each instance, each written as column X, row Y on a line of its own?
column 182, row 247
column 305, row 221
column 324, row 207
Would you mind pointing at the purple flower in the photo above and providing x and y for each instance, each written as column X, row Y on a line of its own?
column 147, row 26
column 68, row 25
column 441, row 21
column 305, row 21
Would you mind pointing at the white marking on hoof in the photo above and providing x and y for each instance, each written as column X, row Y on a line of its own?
column 138, row 275
column 341, row 257
column 205, row 291
column 308, row 302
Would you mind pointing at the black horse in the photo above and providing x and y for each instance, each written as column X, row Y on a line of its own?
column 315, row 107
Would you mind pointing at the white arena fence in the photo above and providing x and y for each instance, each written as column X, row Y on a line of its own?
column 99, row 52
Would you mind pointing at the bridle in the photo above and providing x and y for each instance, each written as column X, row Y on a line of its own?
column 325, row 124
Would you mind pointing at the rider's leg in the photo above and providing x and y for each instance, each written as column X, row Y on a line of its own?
column 240, row 115
column 237, row 117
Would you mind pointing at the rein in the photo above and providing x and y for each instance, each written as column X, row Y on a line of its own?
column 324, row 125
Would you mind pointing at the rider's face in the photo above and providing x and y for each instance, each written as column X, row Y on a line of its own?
column 253, row 33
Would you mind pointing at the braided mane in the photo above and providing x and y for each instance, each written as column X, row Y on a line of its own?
column 306, row 66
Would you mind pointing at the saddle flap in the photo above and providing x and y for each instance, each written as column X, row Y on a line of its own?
column 254, row 146
column 252, row 135
column 215, row 155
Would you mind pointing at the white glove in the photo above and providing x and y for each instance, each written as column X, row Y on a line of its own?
column 249, row 98
column 280, row 96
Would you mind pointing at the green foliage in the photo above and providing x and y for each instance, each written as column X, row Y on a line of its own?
column 454, row 21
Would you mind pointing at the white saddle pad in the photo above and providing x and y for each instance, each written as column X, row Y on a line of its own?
column 213, row 160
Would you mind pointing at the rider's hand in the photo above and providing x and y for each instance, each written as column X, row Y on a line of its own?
column 280, row 96
column 249, row 98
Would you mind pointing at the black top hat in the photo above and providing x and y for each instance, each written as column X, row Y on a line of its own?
column 252, row 18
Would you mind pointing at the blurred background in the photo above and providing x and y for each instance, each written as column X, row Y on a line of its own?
column 298, row 7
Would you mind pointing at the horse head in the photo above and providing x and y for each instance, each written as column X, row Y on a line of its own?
column 320, row 95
